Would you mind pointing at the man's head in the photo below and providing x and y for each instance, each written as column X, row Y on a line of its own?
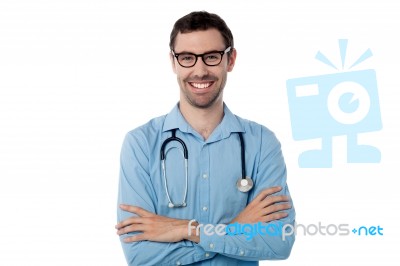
column 202, row 53
column 200, row 21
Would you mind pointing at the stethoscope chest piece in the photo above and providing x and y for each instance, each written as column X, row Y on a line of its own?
column 244, row 184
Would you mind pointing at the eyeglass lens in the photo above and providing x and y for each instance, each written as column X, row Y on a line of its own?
column 210, row 59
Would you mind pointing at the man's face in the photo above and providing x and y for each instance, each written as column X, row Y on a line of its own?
column 201, row 85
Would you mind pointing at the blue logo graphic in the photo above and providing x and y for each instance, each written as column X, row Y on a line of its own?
column 325, row 106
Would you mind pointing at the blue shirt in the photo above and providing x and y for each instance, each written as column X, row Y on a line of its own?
column 214, row 167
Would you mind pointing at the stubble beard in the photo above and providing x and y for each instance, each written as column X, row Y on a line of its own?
column 198, row 101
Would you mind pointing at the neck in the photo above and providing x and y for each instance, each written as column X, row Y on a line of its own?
column 204, row 121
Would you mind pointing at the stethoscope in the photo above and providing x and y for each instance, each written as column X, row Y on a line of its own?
column 244, row 184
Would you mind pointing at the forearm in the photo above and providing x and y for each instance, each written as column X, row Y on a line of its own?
column 164, row 249
column 253, row 238
column 251, row 242
column 157, row 253
column 160, row 241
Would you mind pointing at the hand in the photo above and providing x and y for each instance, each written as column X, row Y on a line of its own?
column 151, row 226
column 264, row 208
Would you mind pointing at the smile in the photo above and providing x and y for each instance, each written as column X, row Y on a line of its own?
column 201, row 85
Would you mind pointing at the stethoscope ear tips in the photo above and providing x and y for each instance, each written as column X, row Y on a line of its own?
column 244, row 184
column 171, row 205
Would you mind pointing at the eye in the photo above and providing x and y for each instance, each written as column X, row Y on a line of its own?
column 212, row 57
column 186, row 58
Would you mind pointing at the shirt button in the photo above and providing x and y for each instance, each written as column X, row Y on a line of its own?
column 207, row 255
column 205, row 176
column 205, row 208
column 241, row 253
column 211, row 245
column 178, row 263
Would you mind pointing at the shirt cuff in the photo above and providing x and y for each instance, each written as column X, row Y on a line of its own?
column 212, row 242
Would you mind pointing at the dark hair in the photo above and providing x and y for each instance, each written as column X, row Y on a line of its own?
column 201, row 20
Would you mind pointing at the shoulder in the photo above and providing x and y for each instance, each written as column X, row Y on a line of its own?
column 259, row 136
column 254, row 128
column 146, row 132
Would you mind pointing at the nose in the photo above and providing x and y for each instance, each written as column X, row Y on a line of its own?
column 200, row 68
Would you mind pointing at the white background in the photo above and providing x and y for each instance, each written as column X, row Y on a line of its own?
column 75, row 76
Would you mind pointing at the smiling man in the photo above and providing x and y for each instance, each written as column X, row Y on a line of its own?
column 202, row 167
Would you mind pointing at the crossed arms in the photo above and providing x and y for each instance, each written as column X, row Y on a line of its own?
column 264, row 208
column 152, row 239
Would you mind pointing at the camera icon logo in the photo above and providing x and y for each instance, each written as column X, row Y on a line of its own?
column 325, row 106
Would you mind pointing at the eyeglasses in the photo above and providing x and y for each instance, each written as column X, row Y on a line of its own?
column 213, row 58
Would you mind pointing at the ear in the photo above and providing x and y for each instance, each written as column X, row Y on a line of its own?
column 232, row 60
column 172, row 58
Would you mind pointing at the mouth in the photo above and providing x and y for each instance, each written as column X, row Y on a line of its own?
column 201, row 85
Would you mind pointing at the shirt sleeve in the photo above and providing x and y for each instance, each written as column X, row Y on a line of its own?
column 135, row 189
column 273, row 241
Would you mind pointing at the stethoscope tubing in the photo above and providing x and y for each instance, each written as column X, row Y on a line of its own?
column 163, row 157
column 173, row 138
column 184, row 150
column 242, row 155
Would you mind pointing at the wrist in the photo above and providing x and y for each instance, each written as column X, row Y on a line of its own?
column 190, row 232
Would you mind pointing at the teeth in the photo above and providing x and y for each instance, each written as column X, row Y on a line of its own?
column 201, row 85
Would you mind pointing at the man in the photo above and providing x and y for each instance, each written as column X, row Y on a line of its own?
column 167, row 212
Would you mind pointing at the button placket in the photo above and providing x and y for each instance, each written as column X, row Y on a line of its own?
column 205, row 182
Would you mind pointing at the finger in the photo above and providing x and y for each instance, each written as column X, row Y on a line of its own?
column 266, row 192
column 276, row 208
column 131, row 228
column 274, row 199
column 129, row 221
column 274, row 216
column 135, row 209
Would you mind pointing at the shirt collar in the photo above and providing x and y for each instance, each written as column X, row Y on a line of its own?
column 229, row 124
